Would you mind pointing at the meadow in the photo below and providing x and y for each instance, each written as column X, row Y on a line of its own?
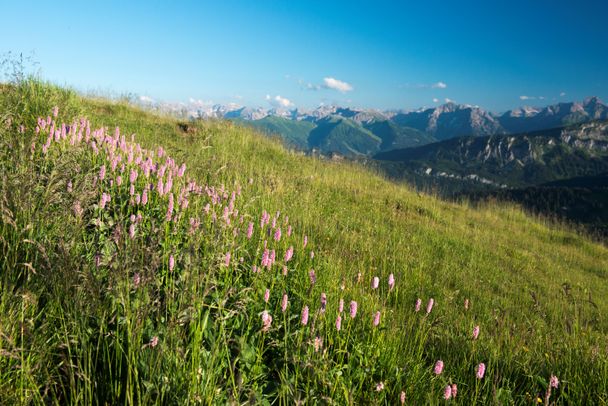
column 152, row 260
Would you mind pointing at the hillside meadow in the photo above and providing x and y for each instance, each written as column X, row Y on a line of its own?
column 250, row 273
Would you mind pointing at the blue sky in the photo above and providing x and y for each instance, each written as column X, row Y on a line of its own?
column 380, row 54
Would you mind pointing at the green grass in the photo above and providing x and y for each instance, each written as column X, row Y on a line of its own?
column 76, row 328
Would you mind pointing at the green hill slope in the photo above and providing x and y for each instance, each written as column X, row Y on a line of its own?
column 294, row 133
column 344, row 136
column 122, row 301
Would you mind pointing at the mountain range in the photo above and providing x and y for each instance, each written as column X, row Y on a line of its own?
column 366, row 132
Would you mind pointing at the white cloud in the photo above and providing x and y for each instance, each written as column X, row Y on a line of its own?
column 310, row 86
column 439, row 85
column 541, row 97
column 562, row 94
column 199, row 103
column 146, row 99
column 278, row 101
column 335, row 84
column 449, row 100
column 527, row 97
column 435, row 100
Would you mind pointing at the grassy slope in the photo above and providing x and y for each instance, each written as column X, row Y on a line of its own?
column 537, row 292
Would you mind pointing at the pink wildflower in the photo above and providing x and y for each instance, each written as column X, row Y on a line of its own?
column 277, row 234
column 402, row 398
column 429, row 305
column 55, row 111
column 136, row 280
column 323, row 302
column 341, row 306
column 266, row 321
column 379, row 386
column 466, row 304
column 288, row 254
column 250, row 230
column 554, row 381
column 475, row 332
column 418, row 305
column 304, row 319
column 133, row 175
column 227, row 259
column 375, row 282
column 289, row 231
column 154, row 342
column 312, row 276
column 266, row 295
column 171, row 262
column 438, row 369
column 353, row 309
column 447, row 392
column 376, row 319
column 318, row 343
column 454, row 390
column 305, row 242
column 132, row 231
column 481, row 370
column 144, row 197
column 284, row 302
column 338, row 323
column 118, row 180
column 169, row 207
column 391, row 282
column 102, row 172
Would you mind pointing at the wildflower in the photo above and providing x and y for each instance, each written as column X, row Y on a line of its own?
column 312, row 276
column 133, row 176
column 341, row 306
column 77, row 209
column 284, row 270
column 277, row 234
column 481, row 370
column 118, row 180
column 376, row 319
column 402, row 397
column 466, row 304
column 312, row 254
column 144, row 197
column 375, row 282
column 429, row 305
column 105, row 198
column 266, row 320
column 359, row 276
column 169, row 207
column 284, row 302
column 379, row 386
column 227, row 259
column 454, row 390
column 554, row 382
column 102, row 172
column 438, row 367
column 475, row 332
column 289, row 231
column 131, row 188
column 55, row 111
column 171, row 262
column 305, row 316
column 69, row 187
column 250, row 230
column 323, row 302
column 447, row 392
column 288, row 254
column 338, row 323
column 305, row 242
column 266, row 295
column 391, row 282
column 418, row 305
column 136, row 279
column 353, row 309
column 318, row 343
column 132, row 231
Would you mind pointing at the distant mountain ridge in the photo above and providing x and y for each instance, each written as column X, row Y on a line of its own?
column 365, row 132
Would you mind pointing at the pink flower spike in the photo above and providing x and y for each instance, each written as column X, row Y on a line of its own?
column 553, row 381
column 379, row 386
column 353, row 309
column 277, row 234
column 338, row 323
column 391, row 282
column 466, row 304
column 266, row 295
column 304, row 319
column 153, row 342
column 377, row 319
column 454, row 390
column 438, row 369
column 288, row 254
column 447, row 393
column 171, row 262
column 284, row 302
column 102, row 172
column 481, row 370
column 227, row 259
column 323, row 302
column 402, row 398
column 312, row 276
column 418, row 305
column 429, row 305
column 136, row 280
column 250, row 230
column 375, row 282
column 475, row 332
column 341, row 306
column 305, row 242
column 266, row 321
column 132, row 231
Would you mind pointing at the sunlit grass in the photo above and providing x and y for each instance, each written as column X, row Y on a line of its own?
column 94, row 310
